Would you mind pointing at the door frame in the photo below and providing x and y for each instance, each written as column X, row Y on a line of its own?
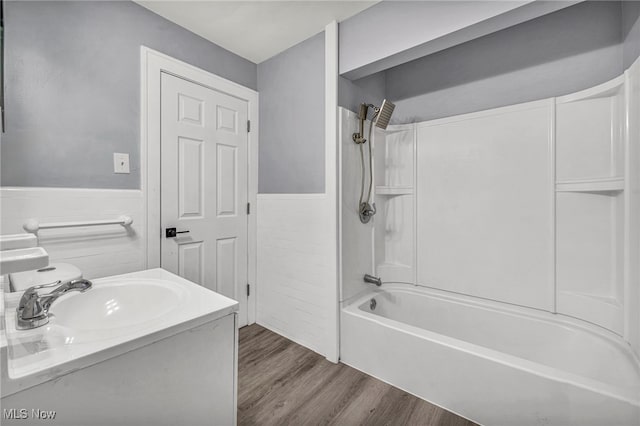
column 152, row 64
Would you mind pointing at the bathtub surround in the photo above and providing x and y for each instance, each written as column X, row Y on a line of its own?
column 478, row 177
column 291, row 86
column 72, row 79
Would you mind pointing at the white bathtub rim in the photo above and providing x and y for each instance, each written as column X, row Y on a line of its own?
column 524, row 311
column 628, row 394
column 622, row 393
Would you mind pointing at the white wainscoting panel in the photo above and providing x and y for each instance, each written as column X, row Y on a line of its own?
column 98, row 251
column 295, row 267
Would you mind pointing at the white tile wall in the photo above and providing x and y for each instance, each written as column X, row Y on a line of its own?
column 295, row 265
column 98, row 251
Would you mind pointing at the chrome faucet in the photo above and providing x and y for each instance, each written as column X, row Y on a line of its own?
column 33, row 309
column 372, row 280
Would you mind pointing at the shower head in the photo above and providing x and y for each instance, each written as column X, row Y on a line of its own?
column 384, row 115
column 381, row 118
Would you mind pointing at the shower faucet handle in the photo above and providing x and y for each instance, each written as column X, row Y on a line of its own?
column 357, row 138
column 367, row 211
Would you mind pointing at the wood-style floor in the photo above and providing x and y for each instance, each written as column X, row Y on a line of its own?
column 283, row 383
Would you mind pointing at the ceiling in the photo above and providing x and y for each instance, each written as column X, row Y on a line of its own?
column 255, row 30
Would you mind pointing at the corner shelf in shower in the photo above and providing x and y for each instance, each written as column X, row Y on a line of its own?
column 394, row 190
column 607, row 184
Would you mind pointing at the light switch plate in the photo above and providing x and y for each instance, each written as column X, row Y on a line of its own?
column 120, row 163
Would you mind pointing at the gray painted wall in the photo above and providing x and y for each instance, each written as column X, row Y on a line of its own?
column 72, row 81
column 370, row 90
column 556, row 54
column 391, row 33
column 630, row 32
column 292, row 144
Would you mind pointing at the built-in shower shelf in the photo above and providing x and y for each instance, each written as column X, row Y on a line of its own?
column 608, row 184
column 394, row 190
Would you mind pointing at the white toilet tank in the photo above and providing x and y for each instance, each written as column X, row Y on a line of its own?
column 54, row 272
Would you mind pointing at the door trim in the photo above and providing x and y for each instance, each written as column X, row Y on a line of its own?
column 152, row 64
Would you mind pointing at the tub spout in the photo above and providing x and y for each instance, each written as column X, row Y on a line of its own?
column 372, row 280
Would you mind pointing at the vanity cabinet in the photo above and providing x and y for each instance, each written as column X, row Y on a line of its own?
column 178, row 367
column 185, row 379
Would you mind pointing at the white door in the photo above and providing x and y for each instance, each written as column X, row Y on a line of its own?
column 204, row 187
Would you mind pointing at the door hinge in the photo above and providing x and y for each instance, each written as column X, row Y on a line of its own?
column 248, row 208
column 248, row 126
column 248, row 289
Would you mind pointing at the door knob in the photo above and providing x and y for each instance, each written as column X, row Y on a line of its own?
column 172, row 233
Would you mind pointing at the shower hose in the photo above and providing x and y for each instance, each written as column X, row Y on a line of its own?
column 370, row 165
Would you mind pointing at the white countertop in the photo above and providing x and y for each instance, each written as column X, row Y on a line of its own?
column 30, row 357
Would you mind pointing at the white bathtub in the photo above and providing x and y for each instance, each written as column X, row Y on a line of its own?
column 492, row 364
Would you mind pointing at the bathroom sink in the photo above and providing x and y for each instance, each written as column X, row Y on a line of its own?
column 125, row 311
column 117, row 304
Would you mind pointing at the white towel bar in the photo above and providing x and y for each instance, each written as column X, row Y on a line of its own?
column 33, row 226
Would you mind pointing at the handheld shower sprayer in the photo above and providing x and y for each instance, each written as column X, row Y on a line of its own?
column 381, row 117
column 362, row 116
